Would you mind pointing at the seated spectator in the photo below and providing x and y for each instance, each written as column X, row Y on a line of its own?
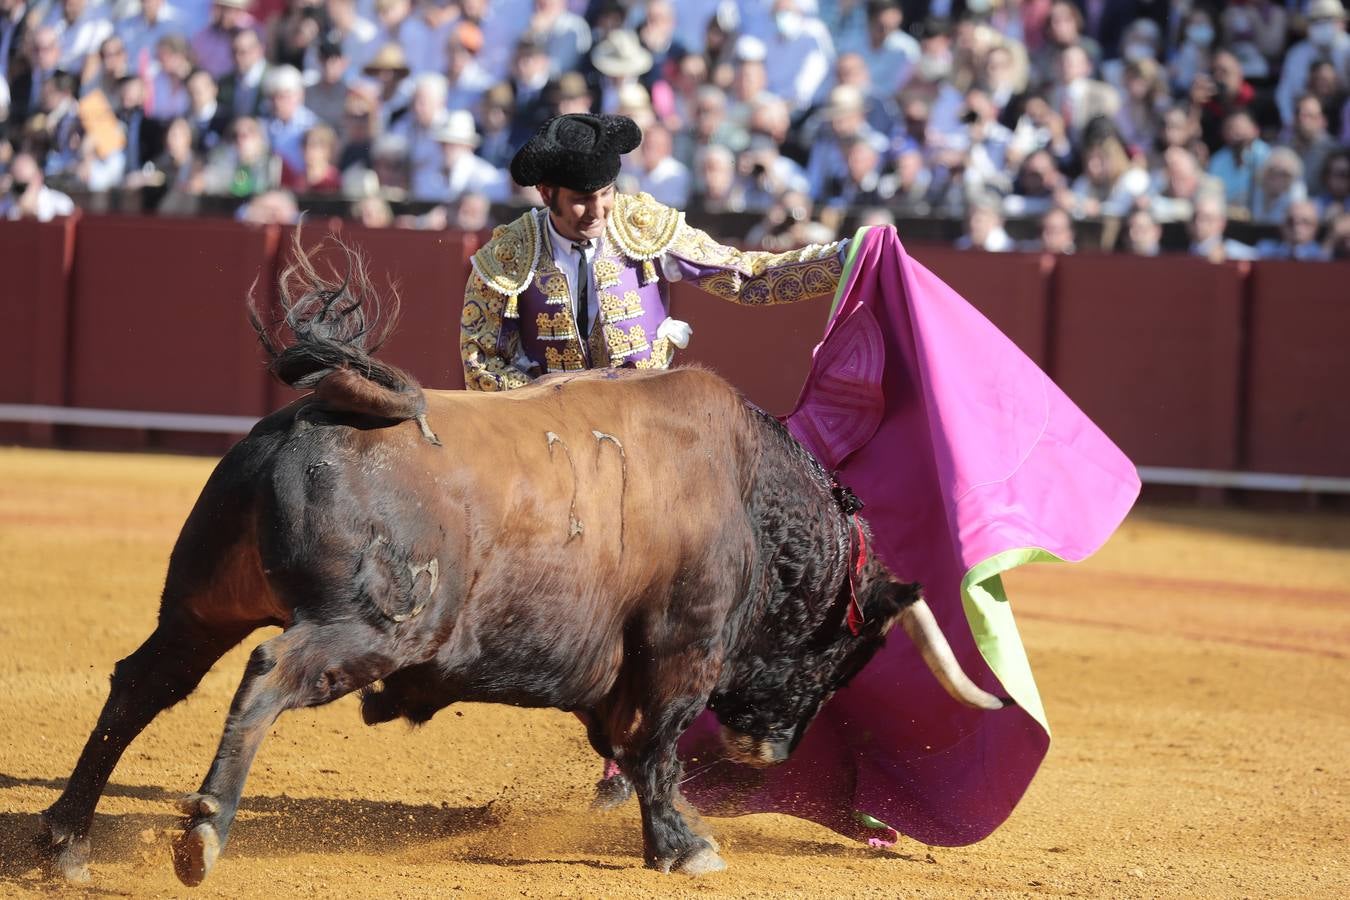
column 141, row 32
column 1176, row 185
column 28, row 196
column 1063, row 31
column 142, row 133
column 890, row 52
column 462, row 172
column 1256, row 33
column 1298, row 236
column 985, row 154
column 270, row 208
column 177, row 165
column 1308, row 138
column 168, row 93
column 290, row 120
column 320, row 174
column 358, row 132
column 984, row 228
column 784, row 225
column 1217, row 94
column 1141, row 41
column 473, row 213
column 1079, row 97
column 1039, row 185
column 1145, row 98
column 60, row 124
column 1143, row 234
column 1056, row 233
column 913, row 183
column 1110, row 183
column 1182, row 131
column 847, row 123
column 81, row 28
column 565, row 36
column 716, row 189
column 749, row 82
column 105, row 69
column 215, row 47
column 1334, row 198
column 326, row 96
column 710, row 126
column 663, row 176
column 1041, row 128
column 1338, row 238
column 467, row 78
column 1207, row 231
column 373, row 212
column 393, row 91
column 798, row 54
column 243, row 167
column 1326, row 42
column 494, row 123
column 293, row 36
column 1193, row 56
column 241, row 85
column 1278, row 184
column 25, row 91
column 1003, row 76
column 881, row 112
column 863, row 183
column 427, row 115
column 1241, row 158
column 357, row 35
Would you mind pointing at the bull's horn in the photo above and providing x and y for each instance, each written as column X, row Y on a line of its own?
column 923, row 630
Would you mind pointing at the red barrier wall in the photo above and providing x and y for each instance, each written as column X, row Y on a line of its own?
column 1151, row 350
column 1012, row 290
column 157, row 316
column 1182, row 362
column 34, row 309
column 765, row 350
column 1298, row 381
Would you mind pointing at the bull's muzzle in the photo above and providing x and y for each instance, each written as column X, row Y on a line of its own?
column 751, row 751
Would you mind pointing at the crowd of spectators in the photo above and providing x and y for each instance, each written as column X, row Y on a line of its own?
column 810, row 114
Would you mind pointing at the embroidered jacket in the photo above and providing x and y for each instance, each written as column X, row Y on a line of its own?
column 517, row 303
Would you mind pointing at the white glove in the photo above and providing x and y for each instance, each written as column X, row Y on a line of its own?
column 677, row 332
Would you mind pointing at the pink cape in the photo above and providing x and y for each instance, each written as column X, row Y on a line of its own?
column 970, row 461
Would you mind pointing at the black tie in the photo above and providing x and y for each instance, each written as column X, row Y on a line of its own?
column 583, row 298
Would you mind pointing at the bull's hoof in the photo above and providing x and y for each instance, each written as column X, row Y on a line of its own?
column 378, row 706
column 195, row 853
column 701, row 860
column 198, row 806
column 612, row 792
column 67, row 855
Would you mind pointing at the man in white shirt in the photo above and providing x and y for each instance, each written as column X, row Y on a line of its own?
column 798, row 57
column 290, row 118
column 28, row 196
column 141, row 32
column 420, row 128
column 1327, row 41
column 80, row 30
column 463, row 172
column 663, row 176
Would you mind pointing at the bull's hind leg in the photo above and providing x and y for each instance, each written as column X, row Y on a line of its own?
column 165, row 669
column 308, row 665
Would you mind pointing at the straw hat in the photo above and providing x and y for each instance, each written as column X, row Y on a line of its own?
column 621, row 55
column 458, row 129
column 389, row 58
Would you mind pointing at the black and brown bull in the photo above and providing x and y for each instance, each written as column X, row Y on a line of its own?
column 634, row 547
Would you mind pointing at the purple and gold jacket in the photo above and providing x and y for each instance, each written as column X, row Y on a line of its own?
column 518, row 317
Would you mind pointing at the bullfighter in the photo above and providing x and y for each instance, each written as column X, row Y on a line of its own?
column 584, row 282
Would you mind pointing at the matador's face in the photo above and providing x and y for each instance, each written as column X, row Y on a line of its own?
column 578, row 216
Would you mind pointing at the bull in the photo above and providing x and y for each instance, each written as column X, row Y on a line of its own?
column 634, row 547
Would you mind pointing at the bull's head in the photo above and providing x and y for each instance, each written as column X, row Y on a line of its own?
column 776, row 692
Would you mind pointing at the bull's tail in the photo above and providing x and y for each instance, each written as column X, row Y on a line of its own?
column 337, row 326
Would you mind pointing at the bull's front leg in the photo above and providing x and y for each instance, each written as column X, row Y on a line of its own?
column 669, row 844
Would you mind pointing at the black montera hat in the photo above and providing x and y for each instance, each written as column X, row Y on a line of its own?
column 578, row 152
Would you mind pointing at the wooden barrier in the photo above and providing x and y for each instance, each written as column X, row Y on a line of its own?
column 1185, row 364
column 1298, row 370
column 35, row 309
column 157, row 319
column 1151, row 350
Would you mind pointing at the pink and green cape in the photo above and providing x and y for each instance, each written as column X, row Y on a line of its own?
column 970, row 462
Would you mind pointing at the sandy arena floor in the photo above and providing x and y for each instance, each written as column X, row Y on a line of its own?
column 1196, row 672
